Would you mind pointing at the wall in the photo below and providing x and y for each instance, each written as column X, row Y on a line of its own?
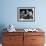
column 9, row 13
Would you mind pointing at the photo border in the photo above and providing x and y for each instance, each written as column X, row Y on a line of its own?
column 25, row 20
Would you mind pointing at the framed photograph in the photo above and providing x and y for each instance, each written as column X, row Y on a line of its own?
column 26, row 14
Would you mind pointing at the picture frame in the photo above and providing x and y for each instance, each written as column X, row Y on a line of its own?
column 26, row 14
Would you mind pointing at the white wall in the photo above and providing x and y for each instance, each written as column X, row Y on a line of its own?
column 9, row 13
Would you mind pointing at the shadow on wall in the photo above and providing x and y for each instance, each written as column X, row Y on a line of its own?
column 2, row 26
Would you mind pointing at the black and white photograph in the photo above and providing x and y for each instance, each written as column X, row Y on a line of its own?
column 26, row 14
